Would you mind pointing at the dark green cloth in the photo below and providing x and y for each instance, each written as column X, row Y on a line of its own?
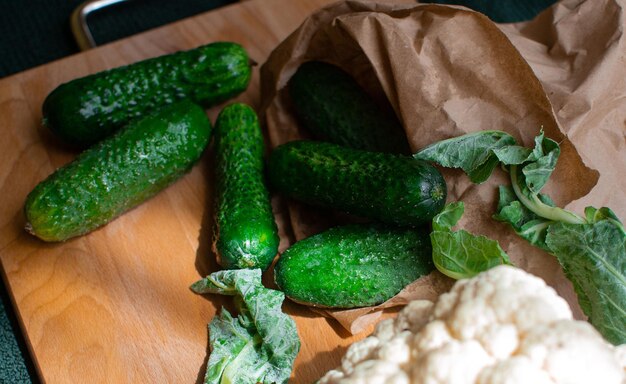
column 502, row 11
column 13, row 356
column 37, row 31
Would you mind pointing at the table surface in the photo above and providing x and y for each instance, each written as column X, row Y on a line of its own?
column 114, row 306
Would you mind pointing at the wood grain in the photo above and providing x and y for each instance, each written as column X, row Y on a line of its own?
column 114, row 306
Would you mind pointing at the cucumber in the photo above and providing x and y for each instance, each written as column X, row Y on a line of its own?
column 333, row 107
column 354, row 265
column 246, row 235
column 395, row 189
column 118, row 173
column 86, row 110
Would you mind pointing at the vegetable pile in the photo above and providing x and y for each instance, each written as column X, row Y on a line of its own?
column 497, row 325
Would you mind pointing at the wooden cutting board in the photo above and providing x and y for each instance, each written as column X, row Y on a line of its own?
column 114, row 306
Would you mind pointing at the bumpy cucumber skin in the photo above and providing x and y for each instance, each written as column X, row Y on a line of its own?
column 334, row 108
column 394, row 189
column 86, row 110
column 246, row 235
column 118, row 173
column 354, row 265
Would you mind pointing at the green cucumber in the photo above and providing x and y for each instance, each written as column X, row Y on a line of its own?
column 391, row 188
column 246, row 235
column 86, row 110
column 333, row 107
column 118, row 173
column 354, row 265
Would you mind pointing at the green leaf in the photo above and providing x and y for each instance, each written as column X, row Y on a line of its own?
column 537, row 164
column 593, row 257
column 472, row 152
column 461, row 254
column 594, row 215
column 513, row 154
column 227, row 338
column 537, row 203
column 261, row 344
column 590, row 214
column 538, row 171
column 514, row 213
column 226, row 282
column 526, row 223
column 478, row 154
column 516, row 154
column 449, row 216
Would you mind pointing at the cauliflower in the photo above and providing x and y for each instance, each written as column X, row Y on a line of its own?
column 503, row 326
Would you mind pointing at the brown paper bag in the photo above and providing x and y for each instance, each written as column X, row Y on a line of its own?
column 449, row 71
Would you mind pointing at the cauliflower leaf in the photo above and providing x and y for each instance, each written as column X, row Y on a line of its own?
column 258, row 346
column 525, row 222
column 593, row 257
column 474, row 153
column 460, row 254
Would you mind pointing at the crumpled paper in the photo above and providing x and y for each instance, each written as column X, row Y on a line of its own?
column 448, row 71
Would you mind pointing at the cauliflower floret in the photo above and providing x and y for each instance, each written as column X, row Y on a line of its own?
column 364, row 350
column 397, row 350
column 500, row 340
column 377, row 372
column 572, row 352
column 516, row 370
column 434, row 335
column 457, row 362
column 503, row 326
column 499, row 297
column 414, row 316
column 385, row 330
